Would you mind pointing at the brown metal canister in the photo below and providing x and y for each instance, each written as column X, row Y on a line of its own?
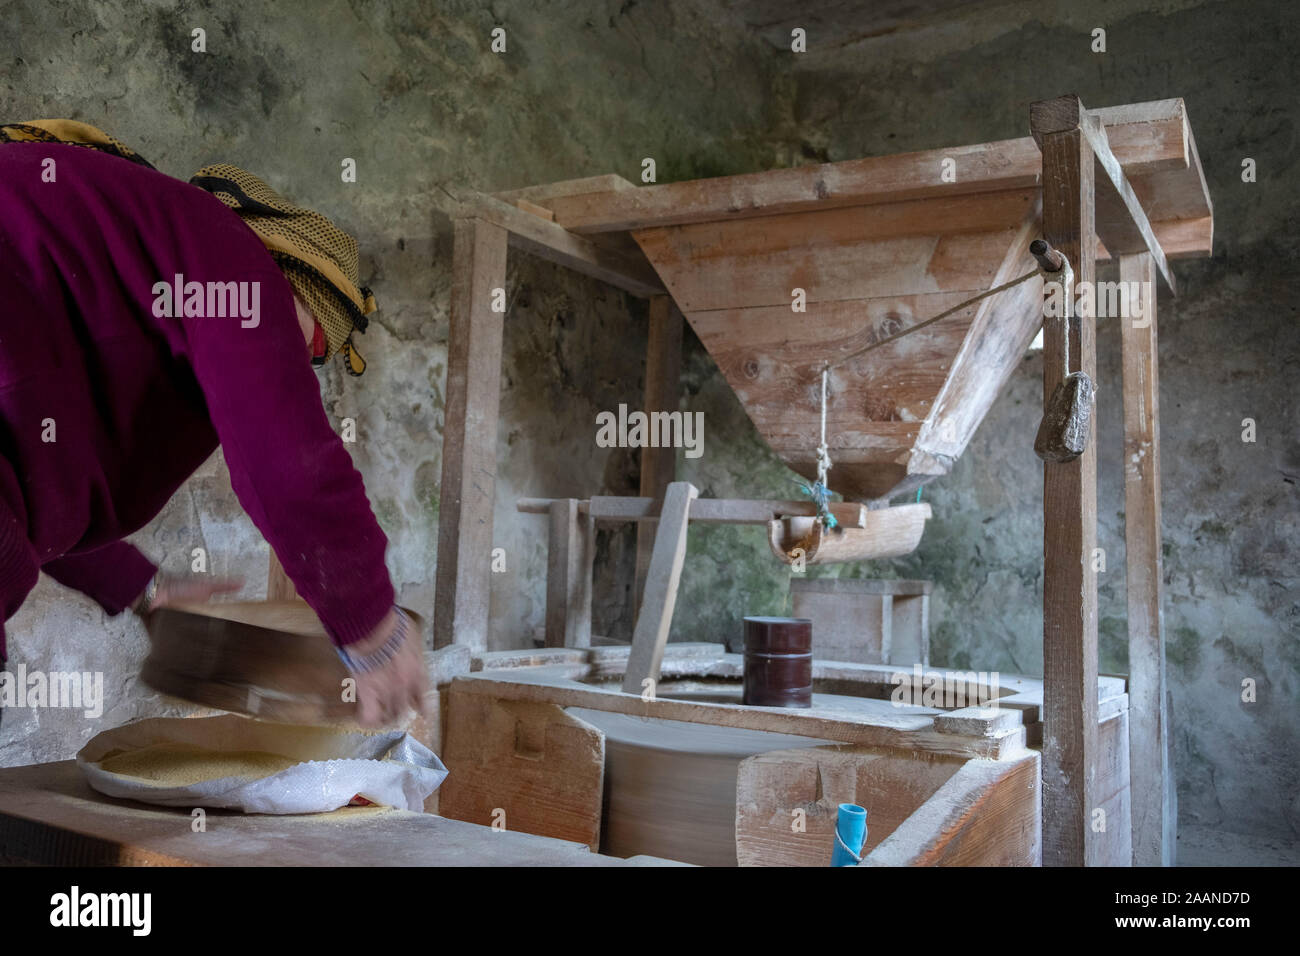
column 778, row 661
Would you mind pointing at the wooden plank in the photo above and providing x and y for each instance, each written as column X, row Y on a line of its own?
column 550, row 241
column 462, row 585
column 991, row 349
column 49, row 816
column 1149, row 137
column 546, row 193
column 1121, row 222
column 568, row 576
column 897, row 727
column 703, row 510
column 1144, row 570
column 770, row 787
column 986, row 814
column 541, row 767
column 663, row 372
column 1114, row 845
column 656, row 616
column 846, row 626
column 278, row 585
column 534, row 209
column 910, row 630
column 834, row 255
column 1069, row 510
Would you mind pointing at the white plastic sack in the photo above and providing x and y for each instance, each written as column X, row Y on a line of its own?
column 391, row 768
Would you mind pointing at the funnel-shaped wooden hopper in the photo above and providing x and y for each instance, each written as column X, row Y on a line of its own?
column 900, row 414
column 876, row 245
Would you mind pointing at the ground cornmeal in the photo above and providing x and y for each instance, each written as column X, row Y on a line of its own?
column 178, row 765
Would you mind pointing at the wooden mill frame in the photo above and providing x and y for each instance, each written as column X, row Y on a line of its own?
column 1124, row 182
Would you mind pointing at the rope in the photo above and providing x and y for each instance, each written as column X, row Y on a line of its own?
column 840, row 840
column 1065, row 275
column 823, row 450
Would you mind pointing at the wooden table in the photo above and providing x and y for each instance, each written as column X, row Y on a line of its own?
column 49, row 815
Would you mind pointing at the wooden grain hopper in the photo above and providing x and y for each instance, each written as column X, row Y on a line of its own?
column 876, row 245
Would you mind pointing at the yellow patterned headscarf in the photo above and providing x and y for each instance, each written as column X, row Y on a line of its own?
column 68, row 131
column 317, row 257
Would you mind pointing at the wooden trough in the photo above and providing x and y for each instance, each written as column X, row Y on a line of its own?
column 548, row 738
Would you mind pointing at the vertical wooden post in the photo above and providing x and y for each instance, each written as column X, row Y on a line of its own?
column 278, row 585
column 1069, row 509
column 663, row 372
column 1150, row 773
column 568, row 576
column 469, row 440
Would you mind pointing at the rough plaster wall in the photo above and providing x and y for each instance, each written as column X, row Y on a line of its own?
column 411, row 91
column 1229, row 349
column 590, row 88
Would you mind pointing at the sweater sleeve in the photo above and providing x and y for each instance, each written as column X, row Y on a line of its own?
column 288, row 467
column 112, row 576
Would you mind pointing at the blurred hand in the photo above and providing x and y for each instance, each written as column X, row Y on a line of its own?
column 193, row 589
column 387, row 693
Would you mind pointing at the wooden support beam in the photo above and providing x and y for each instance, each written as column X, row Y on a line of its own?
column 462, row 587
column 1152, row 777
column 1150, row 139
column 536, row 236
column 851, row 514
column 568, row 576
column 278, row 585
column 1069, row 510
column 663, row 372
column 656, row 617
column 1119, row 219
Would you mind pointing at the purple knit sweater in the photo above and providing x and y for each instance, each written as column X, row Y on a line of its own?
column 106, row 408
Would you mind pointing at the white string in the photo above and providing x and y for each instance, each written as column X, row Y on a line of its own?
column 1065, row 275
column 823, row 450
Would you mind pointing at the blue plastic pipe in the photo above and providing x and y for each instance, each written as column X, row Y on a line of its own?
column 850, row 833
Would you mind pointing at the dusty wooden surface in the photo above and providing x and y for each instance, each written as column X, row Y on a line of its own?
column 772, row 786
column 469, row 450
column 1069, row 508
column 533, row 766
column 50, row 816
column 1152, row 777
column 983, row 815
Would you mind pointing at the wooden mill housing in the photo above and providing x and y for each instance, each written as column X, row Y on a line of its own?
column 877, row 245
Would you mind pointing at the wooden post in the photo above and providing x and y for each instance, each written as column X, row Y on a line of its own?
column 1069, row 509
column 469, row 443
column 278, row 585
column 568, row 576
column 663, row 372
column 656, row 617
column 1150, row 773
